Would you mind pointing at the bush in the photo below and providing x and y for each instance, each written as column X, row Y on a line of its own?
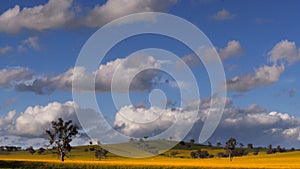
column 222, row 155
column 41, row 151
column 174, row 153
column 200, row 154
column 101, row 153
column 30, row 150
column 182, row 143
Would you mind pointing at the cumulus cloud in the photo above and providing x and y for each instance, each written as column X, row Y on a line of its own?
column 5, row 49
column 9, row 77
column 61, row 14
column 127, row 67
column 11, row 140
column 233, row 48
column 191, row 60
column 263, row 76
column 54, row 14
column 35, row 120
column 7, row 119
column 223, row 15
column 113, row 9
column 284, row 51
column 36, row 142
column 258, row 127
column 140, row 122
column 253, row 124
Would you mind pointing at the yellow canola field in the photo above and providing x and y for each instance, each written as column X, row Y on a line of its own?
column 280, row 160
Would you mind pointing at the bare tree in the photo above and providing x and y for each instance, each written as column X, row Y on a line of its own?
column 61, row 135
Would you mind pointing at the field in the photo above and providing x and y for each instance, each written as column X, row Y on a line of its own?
column 79, row 158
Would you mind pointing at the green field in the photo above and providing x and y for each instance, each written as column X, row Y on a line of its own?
column 80, row 158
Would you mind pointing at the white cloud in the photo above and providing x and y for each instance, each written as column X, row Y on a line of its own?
column 233, row 48
column 263, row 76
column 113, row 9
column 7, row 119
column 285, row 51
column 190, row 60
column 5, row 49
column 11, row 140
column 223, row 15
column 35, row 120
column 127, row 67
column 54, row 14
column 140, row 122
column 32, row 42
column 252, row 124
column 12, row 76
column 61, row 14
column 291, row 132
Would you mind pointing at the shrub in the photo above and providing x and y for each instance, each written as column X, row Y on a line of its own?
column 174, row 153
column 41, row 151
column 255, row 152
column 222, row 155
column 200, row 154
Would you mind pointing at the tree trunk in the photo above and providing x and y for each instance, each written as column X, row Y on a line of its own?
column 62, row 157
column 230, row 155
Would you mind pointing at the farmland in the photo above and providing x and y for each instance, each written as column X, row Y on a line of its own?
column 80, row 158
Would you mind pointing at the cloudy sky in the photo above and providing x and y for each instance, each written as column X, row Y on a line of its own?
column 257, row 41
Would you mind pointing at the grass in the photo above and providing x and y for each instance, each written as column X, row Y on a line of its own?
column 80, row 159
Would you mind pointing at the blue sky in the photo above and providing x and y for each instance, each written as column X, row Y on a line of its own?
column 258, row 42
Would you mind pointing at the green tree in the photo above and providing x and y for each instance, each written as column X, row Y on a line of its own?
column 101, row 153
column 31, row 150
column 209, row 144
column 230, row 146
column 61, row 135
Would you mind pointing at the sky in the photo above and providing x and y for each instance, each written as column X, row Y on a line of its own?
column 257, row 42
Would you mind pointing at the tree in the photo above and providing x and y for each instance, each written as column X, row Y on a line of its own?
column 270, row 149
column 219, row 144
column 182, row 143
column 41, row 151
column 61, row 136
column 241, row 145
column 209, row 144
column 230, row 146
column 145, row 137
column 250, row 146
column 31, row 150
column 101, row 153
